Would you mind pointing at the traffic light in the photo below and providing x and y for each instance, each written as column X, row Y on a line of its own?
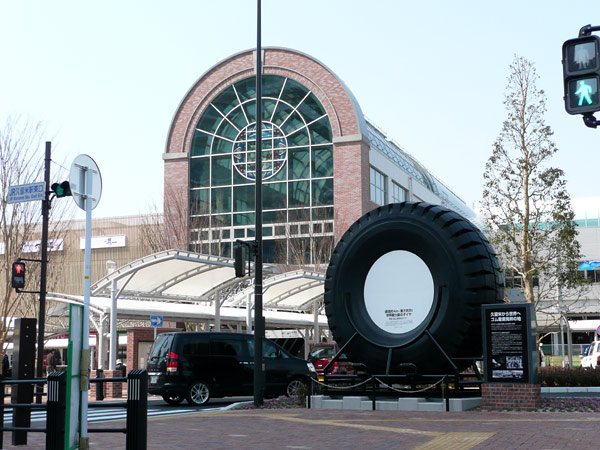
column 61, row 189
column 17, row 280
column 239, row 261
column 581, row 73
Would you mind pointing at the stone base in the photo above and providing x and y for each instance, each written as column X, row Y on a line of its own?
column 503, row 396
column 393, row 404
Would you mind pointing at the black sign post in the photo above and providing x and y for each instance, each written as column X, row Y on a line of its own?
column 509, row 343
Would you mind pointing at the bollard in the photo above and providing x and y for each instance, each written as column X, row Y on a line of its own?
column 137, row 410
column 56, row 411
column 99, row 386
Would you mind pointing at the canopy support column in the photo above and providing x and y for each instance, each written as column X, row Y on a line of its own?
column 249, row 314
column 218, row 310
column 113, row 326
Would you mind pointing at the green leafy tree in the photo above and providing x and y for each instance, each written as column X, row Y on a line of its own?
column 526, row 207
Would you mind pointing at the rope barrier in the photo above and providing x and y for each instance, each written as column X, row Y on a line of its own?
column 412, row 392
column 341, row 387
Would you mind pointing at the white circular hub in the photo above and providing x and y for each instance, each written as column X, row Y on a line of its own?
column 399, row 292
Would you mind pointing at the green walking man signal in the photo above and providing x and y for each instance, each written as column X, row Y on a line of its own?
column 581, row 75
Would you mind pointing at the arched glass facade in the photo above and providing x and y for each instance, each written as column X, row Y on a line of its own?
column 297, row 171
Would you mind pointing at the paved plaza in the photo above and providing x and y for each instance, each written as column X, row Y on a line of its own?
column 364, row 430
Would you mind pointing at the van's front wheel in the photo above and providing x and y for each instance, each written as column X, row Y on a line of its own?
column 295, row 387
column 198, row 393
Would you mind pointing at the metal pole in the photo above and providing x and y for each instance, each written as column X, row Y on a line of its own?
column 43, row 271
column 114, row 337
column 259, row 327
column 86, row 303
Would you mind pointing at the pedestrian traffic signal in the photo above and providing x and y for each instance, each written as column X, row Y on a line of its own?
column 17, row 280
column 61, row 189
column 581, row 73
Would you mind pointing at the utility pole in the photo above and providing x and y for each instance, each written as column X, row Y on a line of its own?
column 259, row 324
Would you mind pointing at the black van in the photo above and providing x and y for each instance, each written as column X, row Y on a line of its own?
column 197, row 366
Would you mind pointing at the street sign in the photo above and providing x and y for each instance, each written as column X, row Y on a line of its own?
column 26, row 192
column 156, row 321
column 598, row 330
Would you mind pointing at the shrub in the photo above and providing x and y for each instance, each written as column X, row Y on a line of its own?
column 565, row 376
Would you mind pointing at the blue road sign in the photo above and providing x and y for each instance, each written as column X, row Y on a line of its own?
column 156, row 321
column 26, row 192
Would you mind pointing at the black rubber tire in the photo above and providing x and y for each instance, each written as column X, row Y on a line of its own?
column 173, row 400
column 198, row 393
column 465, row 271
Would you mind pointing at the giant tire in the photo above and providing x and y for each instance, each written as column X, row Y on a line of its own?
column 434, row 241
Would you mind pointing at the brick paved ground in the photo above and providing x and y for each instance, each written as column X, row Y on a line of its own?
column 365, row 430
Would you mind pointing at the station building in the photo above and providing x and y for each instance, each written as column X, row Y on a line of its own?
column 324, row 163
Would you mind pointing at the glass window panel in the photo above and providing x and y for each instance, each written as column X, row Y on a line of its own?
column 281, row 113
column 322, row 162
column 274, row 196
column 243, row 219
column 298, row 163
column 322, row 249
column 216, row 235
column 204, row 235
column 322, row 192
column 592, row 222
column 267, row 231
column 328, row 227
column 398, row 193
column 300, row 251
column 199, row 172
column 246, row 89
column 221, row 170
column 294, row 92
column 299, row 193
column 298, row 138
column 221, row 200
column 221, row 146
column 293, row 230
column 292, row 124
column 274, row 216
column 323, row 213
column 225, row 249
column 238, row 178
column 250, row 108
column 239, row 232
column 250, row 232
column 244, row 198
column 222, row 220
column 200, row 143
column 199, row 202
column 210, row 120
column 304, row 229
column 280, row 230
column 271, row 85
column 320, row 131
column 268, row 107
column 311, row 108
column 317, row 228
column 269, row 251
column 299, row 215
column 226, row 234
column 227, row 130
column 226, row 100
column 238, row 118
column 378, row 187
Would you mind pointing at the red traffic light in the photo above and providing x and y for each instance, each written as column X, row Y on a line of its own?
column 18, row 275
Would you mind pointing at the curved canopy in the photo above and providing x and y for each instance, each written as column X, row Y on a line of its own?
column 171, row 275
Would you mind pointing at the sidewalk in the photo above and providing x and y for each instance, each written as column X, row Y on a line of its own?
column 364, row 430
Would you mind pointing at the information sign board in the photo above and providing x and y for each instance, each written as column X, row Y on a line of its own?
column 509, row 343
column 26, row 192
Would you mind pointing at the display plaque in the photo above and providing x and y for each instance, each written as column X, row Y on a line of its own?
column 509, row 343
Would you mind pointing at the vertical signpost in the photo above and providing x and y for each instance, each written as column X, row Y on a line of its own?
column 86, row 187
column 156, row 321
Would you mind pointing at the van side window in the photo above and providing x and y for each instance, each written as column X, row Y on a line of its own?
column 196, row 345
column 227, row 348
column 270, row 350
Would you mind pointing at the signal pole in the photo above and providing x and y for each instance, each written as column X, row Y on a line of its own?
column 259, row 323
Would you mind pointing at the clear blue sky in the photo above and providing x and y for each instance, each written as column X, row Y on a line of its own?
column 107, row 77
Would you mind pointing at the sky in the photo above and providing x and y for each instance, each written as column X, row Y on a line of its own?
column 106, row 78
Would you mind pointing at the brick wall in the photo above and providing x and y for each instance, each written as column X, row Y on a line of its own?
column 503, row 396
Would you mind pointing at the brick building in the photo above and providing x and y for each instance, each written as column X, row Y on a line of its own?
column 324, row 163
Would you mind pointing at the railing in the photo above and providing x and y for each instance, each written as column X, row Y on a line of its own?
column 136, row 406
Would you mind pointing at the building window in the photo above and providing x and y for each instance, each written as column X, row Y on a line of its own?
column 297, row 160
column 398, row 193
column 378, row 187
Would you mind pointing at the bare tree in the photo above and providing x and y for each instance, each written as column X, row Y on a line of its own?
column 526, row 206
column 21, row 162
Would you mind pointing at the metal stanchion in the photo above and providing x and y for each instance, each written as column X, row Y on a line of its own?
column 100, row 386
column 137, row 410
column 56, row 411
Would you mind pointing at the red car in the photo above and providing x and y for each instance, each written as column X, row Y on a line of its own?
column 321, row 354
